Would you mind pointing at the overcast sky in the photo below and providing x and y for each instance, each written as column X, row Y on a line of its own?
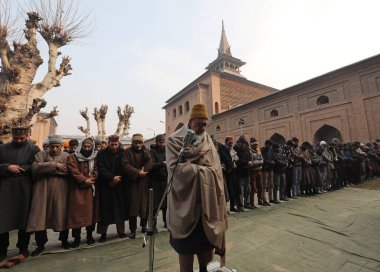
column 143, row 52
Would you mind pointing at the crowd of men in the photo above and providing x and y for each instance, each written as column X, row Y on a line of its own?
column 74, row 187
column 89, row 182
column 276, row 173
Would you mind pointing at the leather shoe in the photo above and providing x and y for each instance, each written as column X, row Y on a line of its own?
column 76, row 242
column 102, row 238
column 65, row 244
column 90, row 240
column 233, row 209
column 24, row 252
column 38, row 251
column 266, row 203
column 132, row 235
column 122, row 235
column 240, row 209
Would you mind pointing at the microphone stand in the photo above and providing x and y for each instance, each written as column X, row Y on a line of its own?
column 152, row 217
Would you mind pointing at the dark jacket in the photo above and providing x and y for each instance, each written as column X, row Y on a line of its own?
column 244, row 155
column 269, row 158
column 281, row 162
column 225, row 158
column 159, row 170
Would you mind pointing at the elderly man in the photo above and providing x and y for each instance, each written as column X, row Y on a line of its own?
column 16, row 159
column 136, row 164
column 50, row 194
column 197, row 216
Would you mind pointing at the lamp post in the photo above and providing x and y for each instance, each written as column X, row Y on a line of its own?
column 154, row 132
column 241, row 123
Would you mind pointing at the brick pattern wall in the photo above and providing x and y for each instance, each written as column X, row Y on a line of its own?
column 353, row 109
column 234, row 93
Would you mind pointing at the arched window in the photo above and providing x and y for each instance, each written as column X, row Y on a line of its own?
column 217, row 128
column 174, row 113
column 216, row 107
column 273, row 113
column 180, row 110
column 322, row 100
column 187, row 106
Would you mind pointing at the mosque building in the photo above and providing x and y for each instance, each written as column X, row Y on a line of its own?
column 343, row 104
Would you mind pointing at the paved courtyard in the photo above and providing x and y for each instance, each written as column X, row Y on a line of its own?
column 337, row 231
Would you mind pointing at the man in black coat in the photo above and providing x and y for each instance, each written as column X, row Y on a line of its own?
column 243, row 173
column 16, row 159
column 228, row 159
column 112, row 189
column 159, row 175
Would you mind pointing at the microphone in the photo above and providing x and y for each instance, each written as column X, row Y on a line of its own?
column 189, row 138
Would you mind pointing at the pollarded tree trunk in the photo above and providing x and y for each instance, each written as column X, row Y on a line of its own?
column 124, row 120
column 20, row 99
column 100, row 117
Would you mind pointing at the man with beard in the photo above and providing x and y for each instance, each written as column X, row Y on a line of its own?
column 50, row 194
column 197, row 216
column 16, row 159
column 112, row 189
column 83, row 172
column 159, row 175
column 229, row 158
column 136, row 164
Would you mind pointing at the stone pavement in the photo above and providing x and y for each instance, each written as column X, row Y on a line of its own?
column 337, row 231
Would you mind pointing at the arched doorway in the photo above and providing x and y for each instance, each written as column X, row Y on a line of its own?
column 278, row 139
column 327, row 133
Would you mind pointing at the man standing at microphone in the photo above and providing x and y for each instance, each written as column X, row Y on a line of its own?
column 197, row 216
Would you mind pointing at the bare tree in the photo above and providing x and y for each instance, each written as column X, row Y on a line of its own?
column 87, row 130
column 124, row 120
column 59, row 23
column 100, row 117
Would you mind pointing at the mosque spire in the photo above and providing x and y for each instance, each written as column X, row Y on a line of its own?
column 225, row 62
column 224, row 47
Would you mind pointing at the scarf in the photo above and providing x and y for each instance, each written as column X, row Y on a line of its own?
column 90, row 159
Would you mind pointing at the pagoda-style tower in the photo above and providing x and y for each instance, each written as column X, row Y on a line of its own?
column 225, row 62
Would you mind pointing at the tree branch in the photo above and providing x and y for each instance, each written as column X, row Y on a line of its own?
column 51, row 114
column 37, row 105
column 86, row 131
